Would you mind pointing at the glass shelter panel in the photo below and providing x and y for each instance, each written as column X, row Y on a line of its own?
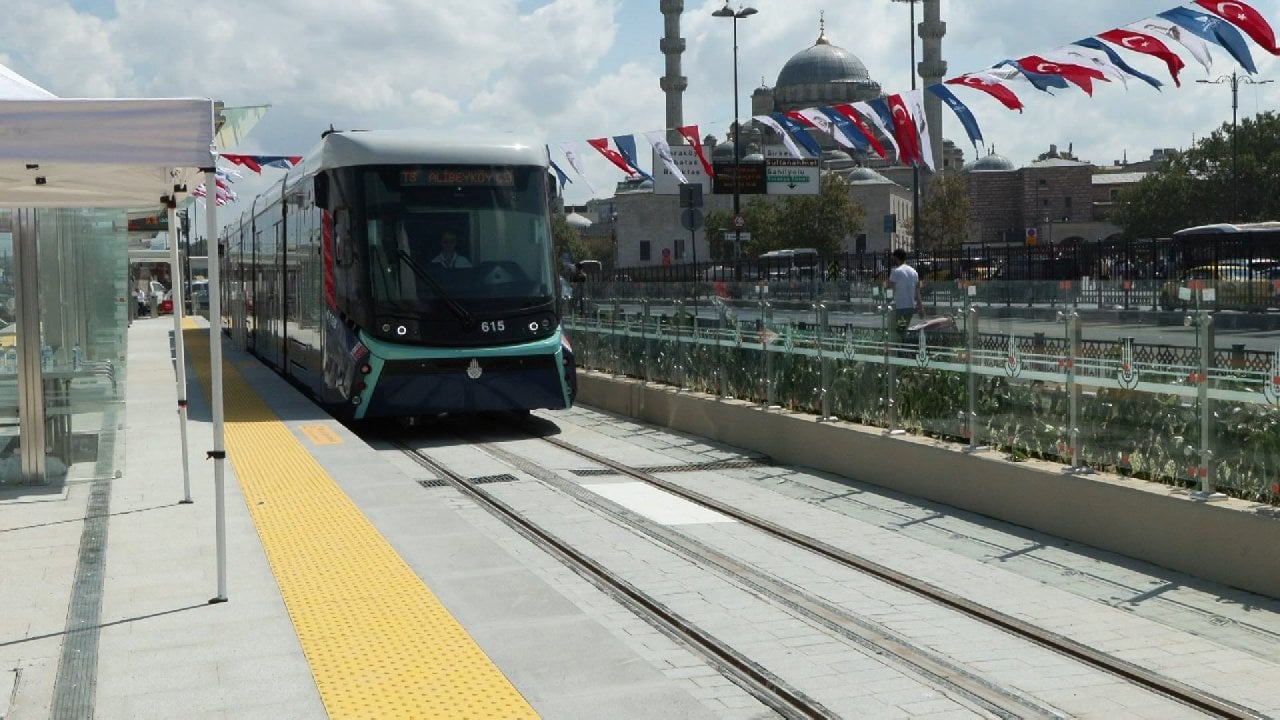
column 77, row 314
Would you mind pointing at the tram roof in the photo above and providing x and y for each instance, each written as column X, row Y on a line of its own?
column 391, row 147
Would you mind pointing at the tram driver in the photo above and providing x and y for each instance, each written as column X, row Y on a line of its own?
column 449, row 256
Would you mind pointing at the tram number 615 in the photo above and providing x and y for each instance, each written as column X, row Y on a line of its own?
column 490, row 326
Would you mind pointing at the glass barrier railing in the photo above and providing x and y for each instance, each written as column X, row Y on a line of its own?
column 1072, row 374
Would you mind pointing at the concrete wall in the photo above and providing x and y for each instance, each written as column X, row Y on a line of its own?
column 1225, row 541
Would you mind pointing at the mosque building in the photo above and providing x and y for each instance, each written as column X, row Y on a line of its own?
column 1005, row 201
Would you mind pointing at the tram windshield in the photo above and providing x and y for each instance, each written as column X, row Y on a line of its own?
column 464, row 238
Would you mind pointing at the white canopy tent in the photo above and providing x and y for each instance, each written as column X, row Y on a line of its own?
column 125, row 153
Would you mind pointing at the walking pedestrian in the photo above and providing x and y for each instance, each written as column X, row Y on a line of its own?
column 907, row 300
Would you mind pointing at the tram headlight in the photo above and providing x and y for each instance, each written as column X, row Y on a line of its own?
column 366, row 368
column 399, row 329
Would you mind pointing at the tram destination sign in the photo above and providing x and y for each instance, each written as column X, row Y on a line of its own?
column 418, row 175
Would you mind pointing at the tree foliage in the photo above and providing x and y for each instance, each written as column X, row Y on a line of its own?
column 1198, row 186
column 820, row 221
column 944, row 213
column 566, row 239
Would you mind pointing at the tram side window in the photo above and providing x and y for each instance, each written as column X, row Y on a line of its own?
column 343, row 252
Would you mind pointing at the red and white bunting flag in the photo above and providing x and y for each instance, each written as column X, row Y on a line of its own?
column 1243, row 16
column 615, row 157
column 1148, row 45
column 1081, row 75
column 904, row 130
column 690, row 134
column 990, row 85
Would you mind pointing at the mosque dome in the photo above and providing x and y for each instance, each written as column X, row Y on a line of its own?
column 991, row 163
column 822, row 63
column 865, row 175
column 723, row 150
column 822, row 74
column 829, row 156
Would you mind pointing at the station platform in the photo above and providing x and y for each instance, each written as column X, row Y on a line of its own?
column 350, row 593
column 109, row 580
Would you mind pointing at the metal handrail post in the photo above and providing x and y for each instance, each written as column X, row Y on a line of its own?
column 766, row 320
column 824, row 362
column 1207, row 460
column 678, row 321
column 1073, row 388
column 891, row 404
column 646, row 341
column 722, row 373
column 971, row 376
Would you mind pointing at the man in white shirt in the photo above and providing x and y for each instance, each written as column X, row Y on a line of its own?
column 907, row 299
column 449, row 256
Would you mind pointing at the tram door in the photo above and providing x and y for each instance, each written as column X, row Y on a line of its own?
column 270, row 291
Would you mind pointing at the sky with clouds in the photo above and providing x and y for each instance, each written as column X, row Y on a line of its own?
column 560, row 71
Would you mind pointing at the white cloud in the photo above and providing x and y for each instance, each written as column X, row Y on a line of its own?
column 567, row 70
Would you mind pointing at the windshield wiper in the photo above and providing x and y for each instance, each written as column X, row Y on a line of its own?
column 468, row 321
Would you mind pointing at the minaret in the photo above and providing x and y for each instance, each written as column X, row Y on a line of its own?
column 932, row 68
column 673, row 83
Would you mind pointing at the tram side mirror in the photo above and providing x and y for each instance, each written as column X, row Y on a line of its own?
column 322, row 190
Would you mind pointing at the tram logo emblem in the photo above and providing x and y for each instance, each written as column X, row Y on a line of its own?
column 474, row 371
column 1013, row 360
column 1271, row 388
column 1128, row 374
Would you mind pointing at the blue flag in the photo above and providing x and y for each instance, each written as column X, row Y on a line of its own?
column 881, row 106
column 961, row 110
column 626, row 145
column 851, row 131
column 796, row 131
column 1094, row 43
column 1042, row 81
column 1215, row 30
column 560, row 175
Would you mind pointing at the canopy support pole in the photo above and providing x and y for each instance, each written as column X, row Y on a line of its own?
column 218, row 454
column 179, row 346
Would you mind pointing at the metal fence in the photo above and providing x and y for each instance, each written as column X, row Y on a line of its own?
column 1185, row 398
column 1158, row 259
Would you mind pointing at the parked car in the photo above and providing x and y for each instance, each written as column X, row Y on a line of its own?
column 198, row 295
column 1237, row 285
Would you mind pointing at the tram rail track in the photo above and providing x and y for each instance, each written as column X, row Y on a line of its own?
column 1178, row 691
column 768, row 687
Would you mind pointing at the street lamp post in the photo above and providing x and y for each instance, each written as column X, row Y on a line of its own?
column 915, row 168
column 1234, row 81
column 741, row 12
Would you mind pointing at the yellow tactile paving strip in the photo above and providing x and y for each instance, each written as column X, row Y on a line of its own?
column 379, row 643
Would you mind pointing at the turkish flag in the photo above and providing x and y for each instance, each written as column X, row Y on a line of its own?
column 1247, row 19
column 615, row 157
column 991, row 86
column 904, row 129
column 1078, row 74
column 1149, row 45
column 690, row 134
